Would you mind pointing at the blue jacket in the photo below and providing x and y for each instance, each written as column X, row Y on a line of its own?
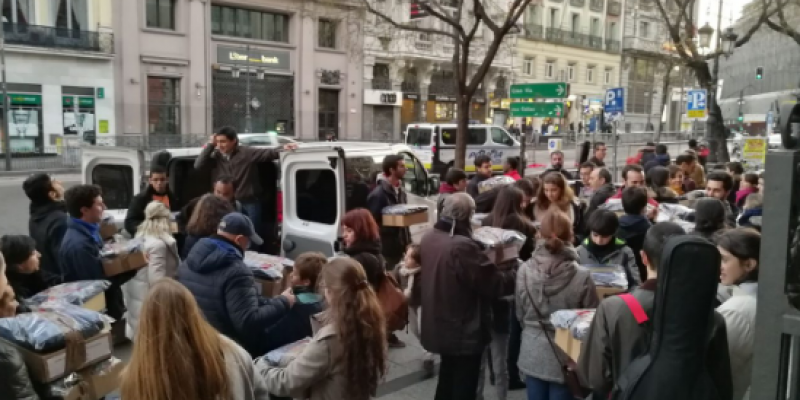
column 224, row 289
column 296, row 325
column 79, row 254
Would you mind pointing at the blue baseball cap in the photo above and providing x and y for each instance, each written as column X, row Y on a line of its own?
column 239, row 224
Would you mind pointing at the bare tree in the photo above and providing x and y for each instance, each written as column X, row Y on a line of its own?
column 463, row 27
column 783, row 24
column 668, row 63
column 681, row 28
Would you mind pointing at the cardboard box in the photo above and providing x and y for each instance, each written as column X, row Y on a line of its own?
column 268, row 288
column 47, row 367
column 124, row 262
column 603, row 292
column 100, row 385
column 108, row 230
column 96, row 303
column 406, row 220
column 501, row 254
column 570, row 345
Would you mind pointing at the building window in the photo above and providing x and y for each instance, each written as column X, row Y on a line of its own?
column 532, row 15
column 639, row 96
column 553, row 17
column 326, row 34
column 527, row 66
column 608, row 74
column 571, row 71
column 644, row 29
column 161, row 14
column 595, row 29
column 249, row 24
column 19, row 12
column 576, row 23
column 550, row 70
column 590, row 74
column 163, row 105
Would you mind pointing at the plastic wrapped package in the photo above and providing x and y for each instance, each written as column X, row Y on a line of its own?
column 494, row 182
column 62, row 387
column 291, row 350
column 673, row 212
column 580, row 326
column 563, row 319
column 266, row 266
column 45, row 330
column 607, row 275
column 403, row 209
column 615, row 206
column 122, row 247
column 478, row 218
column 493, row 237
column 76, row 293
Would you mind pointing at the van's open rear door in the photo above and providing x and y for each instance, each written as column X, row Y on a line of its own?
column 118, row 172
column 313, row 186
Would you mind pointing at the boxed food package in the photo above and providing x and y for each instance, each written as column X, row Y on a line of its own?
column 494, row 182
column 404, row 215
column 271, row 273
column 570, row 345
column 123, row 257
column 87, row 294
column 501, row 245
column 603, row 292
column 572, row 326
column 269, row 288
column 92, row 383
column 107, row 231
column 78, row 354
column 608, row 276
column 282, row 355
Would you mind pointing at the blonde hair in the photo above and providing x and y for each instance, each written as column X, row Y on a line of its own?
column 156, row 222
column 177, row 355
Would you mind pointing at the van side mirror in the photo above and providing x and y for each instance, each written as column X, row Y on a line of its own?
column 433, row 184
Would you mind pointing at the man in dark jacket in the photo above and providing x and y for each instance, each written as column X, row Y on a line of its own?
column 600, row 151
column 602, row 185
column 455, row 181
column 483, row 171
column 48, row 222
column 557, row 165
column 80, row 250
column 389, row 192
column 633, row 225
column 224, row 288
column 157, row 190
column 459, row 285
column 661, row 158
column 227, row 157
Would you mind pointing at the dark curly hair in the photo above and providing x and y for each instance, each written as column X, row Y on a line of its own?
column 207, row 215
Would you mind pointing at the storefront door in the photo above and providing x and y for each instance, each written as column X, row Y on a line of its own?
column 328, row 113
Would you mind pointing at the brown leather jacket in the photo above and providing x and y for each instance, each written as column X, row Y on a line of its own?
column 241, row 165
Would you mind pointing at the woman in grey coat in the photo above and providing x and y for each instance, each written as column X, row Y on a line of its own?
column 553, row 281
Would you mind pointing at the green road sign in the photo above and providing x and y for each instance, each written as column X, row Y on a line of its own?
column 556, row 90
column 554, row 110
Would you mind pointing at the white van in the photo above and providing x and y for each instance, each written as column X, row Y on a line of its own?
column 319, row 182
column 435, row 144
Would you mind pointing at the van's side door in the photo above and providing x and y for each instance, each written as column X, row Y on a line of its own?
column 118, row 172
column 418, row 189
column 313, row 186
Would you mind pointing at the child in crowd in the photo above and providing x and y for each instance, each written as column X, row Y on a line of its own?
column 602, row 247
column 296, row 325
column 748, row 186
column 676, row 178
column 408, row 274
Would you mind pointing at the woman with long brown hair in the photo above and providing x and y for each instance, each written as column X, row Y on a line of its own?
column 177, row 355
column 205, row 220
column 556, row 195
column 346, row 359
column 362, row 241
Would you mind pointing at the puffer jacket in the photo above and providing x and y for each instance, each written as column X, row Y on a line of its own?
column 225, row 291
column 621, row 255
column 163, row 261
column 368, row 254
column 15, row 383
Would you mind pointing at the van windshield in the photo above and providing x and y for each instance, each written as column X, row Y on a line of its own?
column 418, row 136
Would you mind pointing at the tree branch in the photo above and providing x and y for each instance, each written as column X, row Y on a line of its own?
column 453, row 22
column 480, row 14
column 406, row 27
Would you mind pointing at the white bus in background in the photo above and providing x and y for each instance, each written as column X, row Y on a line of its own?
column 435, row 145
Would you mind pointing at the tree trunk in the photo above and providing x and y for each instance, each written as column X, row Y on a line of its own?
column 715, row 128
column 664, row 94
column 462, row 121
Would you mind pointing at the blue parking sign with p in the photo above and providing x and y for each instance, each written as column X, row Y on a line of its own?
column 696, row 103
column 614, row 104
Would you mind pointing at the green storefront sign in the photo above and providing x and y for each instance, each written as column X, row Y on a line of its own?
column 83, row 102
column 557, row 90
column 25, row 99
column 542, row 110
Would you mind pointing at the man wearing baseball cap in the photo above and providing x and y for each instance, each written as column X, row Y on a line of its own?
column 215, row 273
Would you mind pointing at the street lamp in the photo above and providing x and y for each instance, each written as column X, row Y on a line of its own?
column 705, row 34
column 728, row 41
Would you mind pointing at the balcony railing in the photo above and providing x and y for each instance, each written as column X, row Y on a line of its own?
column 596, row 5
column 569, row 38
column 534, row 31
column 577, row 3
column 644, row 45
column 381, row 83
column 614, row 8
column 612, row 46
column 58, row 38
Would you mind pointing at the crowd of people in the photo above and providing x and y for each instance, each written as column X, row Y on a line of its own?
column 200, row 328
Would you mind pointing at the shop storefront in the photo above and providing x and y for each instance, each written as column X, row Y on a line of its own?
column 271, row 83
column 499, row 113
column 25, row 123
column 477, row 111
column 409, row 112
column 380, row 108
column 80, row 119
column 441, row 108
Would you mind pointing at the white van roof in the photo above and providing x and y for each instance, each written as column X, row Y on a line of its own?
column 376, row 150
column 449, row 124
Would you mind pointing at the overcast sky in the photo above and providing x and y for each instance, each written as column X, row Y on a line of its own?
column 731, row 11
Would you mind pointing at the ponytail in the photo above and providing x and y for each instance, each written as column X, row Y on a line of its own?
column 556, row 230
column 554, row 245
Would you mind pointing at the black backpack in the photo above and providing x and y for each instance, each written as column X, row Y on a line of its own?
column 687, row 357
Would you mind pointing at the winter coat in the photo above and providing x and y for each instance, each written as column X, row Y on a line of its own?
column 16, row 383
column 188, row 243
column 163, row 261
column 24, row 285
column 600, row 197
column 296, row 324
column 393, row 239
column 621, row 255
column 751, row 218
column 79, row 254
column 47, row 226
column 135, row 215
column 225, row 291
column 513, row 174
column 742, row 194
column 698, row 175
column 314, row 374
column 633, row 229
column 445, row 191
column 368, row 254
column 243, row 377
column 459, row 285
column 554, row 282
column 472, row 185
column 241, row 165
column 659, row 159
column 597, row 162
column 739, row 313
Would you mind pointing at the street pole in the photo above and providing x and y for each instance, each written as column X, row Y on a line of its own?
column 741, row 100
column 248, row 123
column 680, row 101
column 6, row 111
column 616, row 144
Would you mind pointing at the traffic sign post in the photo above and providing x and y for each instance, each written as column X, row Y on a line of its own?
column 614, row 111
column 697, row 103
column 557, row 90
column 543, row 110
